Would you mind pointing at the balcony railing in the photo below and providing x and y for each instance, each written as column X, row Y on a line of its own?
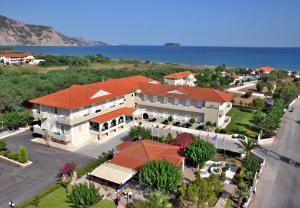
column 66, row 137
column 38, row 130
column 39, row 115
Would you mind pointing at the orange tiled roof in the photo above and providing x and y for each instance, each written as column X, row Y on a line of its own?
column 136, row 154
column 191, row 93
column 77, row 96
column 114, row 114
column 16, row 55
column 266, row 69
column 179, row 75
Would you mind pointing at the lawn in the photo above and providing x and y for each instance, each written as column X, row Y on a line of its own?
column 241, row 122
column 58, row 199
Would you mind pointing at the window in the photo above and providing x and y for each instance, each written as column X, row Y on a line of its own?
column 176, row 101
column 199, row 104
column 145, row 97
column 188, row 102
column 98, row 111
column 155, row 99
column 55, row 110
column 165, row 99
column 132, row 94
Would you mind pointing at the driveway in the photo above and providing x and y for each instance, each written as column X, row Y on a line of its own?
column 19, row 184
column 279, row 185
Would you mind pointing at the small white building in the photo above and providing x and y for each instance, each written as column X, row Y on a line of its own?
column 181, row 78
column 18, row 58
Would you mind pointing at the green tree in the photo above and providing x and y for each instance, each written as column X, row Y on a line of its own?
column 84, row 195
column 200, row 151
column 248, row 145
column 258, row 102
column 22, row 156
column 260, row 86
column 160, row 174
column 251, row 164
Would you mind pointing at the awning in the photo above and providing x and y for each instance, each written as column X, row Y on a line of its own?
column 113, row 173
column 114, row 114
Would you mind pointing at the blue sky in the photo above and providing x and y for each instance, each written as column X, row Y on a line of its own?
column 154, row 22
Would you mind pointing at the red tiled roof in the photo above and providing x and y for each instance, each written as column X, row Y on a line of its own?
column 16, row 55
column 266, row 69
column 191, row 93
column 114, row 114
column 77, row 96
column 136, row 154
column 179, row 75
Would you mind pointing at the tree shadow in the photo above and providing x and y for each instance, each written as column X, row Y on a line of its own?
column 280, row 157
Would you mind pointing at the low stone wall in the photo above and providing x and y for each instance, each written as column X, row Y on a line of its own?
column 23, row 165
column 266, row 141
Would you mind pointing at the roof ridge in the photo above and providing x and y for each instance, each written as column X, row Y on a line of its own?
column 217, row 93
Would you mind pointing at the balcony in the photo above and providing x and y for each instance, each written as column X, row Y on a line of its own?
column 66, row 137
column 39, row 115
column 38, row 130
column 76, row 120
column 224, row 111
column 170, row 106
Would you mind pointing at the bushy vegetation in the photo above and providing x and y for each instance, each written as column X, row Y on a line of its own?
column 199, row 152
column 199, row 192
column 14, row 120
column 160, row 174
column 84, row 195
column 2, row 145
column 138, row 131
column 251, row 165
column 158, row 199
column 22, row 156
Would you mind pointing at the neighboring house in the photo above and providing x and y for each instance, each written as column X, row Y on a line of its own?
column 181, row 78
column 19, row 58
column 103, row 109
column 265, row 69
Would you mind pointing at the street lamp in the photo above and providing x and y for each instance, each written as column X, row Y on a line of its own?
column 11, row 204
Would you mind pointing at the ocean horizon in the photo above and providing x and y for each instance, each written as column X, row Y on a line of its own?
column 252, row 57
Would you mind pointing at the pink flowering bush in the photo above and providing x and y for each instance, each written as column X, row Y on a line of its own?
column 184, row 139
column 67, row 169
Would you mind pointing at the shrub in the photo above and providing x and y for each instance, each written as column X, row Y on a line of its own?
column 145, row 116
column 2, row 144
column 157, row 199
column 170, row 118
column 217, row 130
column 14, row 120
column 186, row 125
column 258, row 102
column 84, row 195
column 12, row 155
column 176, row 124
column 36, row 201
column 22, row 156
column 137, row 131
column 153, row 119
column 160, row 174
column 208, row 123
column 166, row 122
column 200, row 151
column 223, row 131
column 192, row 120
column 67, row 169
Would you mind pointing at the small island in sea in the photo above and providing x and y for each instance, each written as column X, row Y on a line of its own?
column 172, row 44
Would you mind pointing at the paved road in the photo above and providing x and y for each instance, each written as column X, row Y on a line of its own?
column 19, row 184
column 279, row 185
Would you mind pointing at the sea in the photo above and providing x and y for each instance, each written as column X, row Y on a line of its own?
column 249, row 57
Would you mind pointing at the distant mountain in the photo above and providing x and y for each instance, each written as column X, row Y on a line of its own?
column 172, row 44
column 13, row 32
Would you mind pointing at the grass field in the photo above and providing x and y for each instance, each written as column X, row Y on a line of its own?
column 58, row 199
column 241, row 122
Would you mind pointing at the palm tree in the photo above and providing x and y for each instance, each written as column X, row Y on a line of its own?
column 248, row 145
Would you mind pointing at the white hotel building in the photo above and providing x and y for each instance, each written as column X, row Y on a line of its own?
column 102, row 109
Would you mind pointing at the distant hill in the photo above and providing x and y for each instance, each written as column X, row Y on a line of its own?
column 13, row 32
column 172, row 44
